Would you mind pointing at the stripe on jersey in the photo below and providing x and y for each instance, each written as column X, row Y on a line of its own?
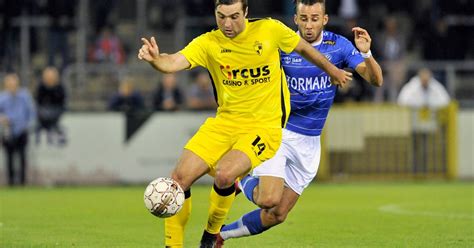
column 258, row 19
column 284, row 119
column 214, row 91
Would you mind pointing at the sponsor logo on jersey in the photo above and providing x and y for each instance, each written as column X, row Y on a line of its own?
column 292, row 60
column 245, row 76
column 245, row 73
column 329, row 42
column 296, row 60
column 309, row 83
column 225, row 50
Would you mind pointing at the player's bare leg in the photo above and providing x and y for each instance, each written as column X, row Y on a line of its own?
column 277, row 215
column 190, row 167
column 269, row 192
column 260, row 220
column 263, row 191
column 232, row 165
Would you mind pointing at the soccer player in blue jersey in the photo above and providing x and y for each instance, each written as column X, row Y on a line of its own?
column 276, row 185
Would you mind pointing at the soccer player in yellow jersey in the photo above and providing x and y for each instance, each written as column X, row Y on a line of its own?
column 242, row 56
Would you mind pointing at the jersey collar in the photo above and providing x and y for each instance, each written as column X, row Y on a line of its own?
column 315, row 43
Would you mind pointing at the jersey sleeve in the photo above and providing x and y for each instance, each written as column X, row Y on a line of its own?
column 352, row 57
column 195, row 52
column 286, row 38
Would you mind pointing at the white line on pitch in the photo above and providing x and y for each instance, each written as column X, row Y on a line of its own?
column 395, row 209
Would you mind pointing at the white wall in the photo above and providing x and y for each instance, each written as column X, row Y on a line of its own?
column 96, row 151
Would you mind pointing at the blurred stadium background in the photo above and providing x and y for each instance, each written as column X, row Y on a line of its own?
column 368, row 136
column 94, row 44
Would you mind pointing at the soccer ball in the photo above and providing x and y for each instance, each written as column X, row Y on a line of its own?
column 164, row 197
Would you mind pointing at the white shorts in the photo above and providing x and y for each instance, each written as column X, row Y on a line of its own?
column 296, row 161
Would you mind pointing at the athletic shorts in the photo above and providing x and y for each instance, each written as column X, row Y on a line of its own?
column 216, row 137
column 296, row 161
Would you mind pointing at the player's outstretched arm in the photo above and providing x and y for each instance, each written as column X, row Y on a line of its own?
column 166, row 63
column 338, row 76
column 369, row 69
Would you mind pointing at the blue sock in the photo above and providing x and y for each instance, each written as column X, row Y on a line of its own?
column 249, row 224
column 248, row 184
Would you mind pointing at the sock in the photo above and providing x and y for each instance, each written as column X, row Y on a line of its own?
column 220, row 203
column 174, row 225
column 247, row 185
column 248, row 224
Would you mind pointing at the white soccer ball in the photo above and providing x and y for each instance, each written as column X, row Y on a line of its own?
column 164, row 197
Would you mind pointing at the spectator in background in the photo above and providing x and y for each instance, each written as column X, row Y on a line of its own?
column 108, row 48
column 51, row 104
column 168, row 96
column 17, row 114
column 423, row 91
column 424, row 95
column 61, row 14
column 126, row 99
column 201, row 95
column 391, row 48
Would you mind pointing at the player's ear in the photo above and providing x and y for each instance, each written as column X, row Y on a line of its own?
column 246, row 12
column 295, row 19
column 325, row 19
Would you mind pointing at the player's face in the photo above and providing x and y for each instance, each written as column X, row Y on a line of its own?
column 311, row 20
column 231, row 19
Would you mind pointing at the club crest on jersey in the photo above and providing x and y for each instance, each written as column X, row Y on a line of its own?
column 258, row 46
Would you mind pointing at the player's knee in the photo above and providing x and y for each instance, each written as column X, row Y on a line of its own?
column 224, row 179
column 280, row 218
column 180, row 179
column 267, row 201
column 273, row 218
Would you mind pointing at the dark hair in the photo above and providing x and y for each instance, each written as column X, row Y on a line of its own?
column 310, row 2
column 229, row 2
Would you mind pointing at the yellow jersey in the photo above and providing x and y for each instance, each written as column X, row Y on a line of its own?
column 249, row 83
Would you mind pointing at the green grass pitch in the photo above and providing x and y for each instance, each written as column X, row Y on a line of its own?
column 327, row 215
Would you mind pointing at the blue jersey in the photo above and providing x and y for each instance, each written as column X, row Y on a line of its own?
column 312, row 93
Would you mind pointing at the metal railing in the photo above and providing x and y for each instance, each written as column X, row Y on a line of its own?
column 388, row 141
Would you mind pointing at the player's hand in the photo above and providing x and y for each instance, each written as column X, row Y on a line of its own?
column 342, row 77
column 362, row 39
column 149, row 50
